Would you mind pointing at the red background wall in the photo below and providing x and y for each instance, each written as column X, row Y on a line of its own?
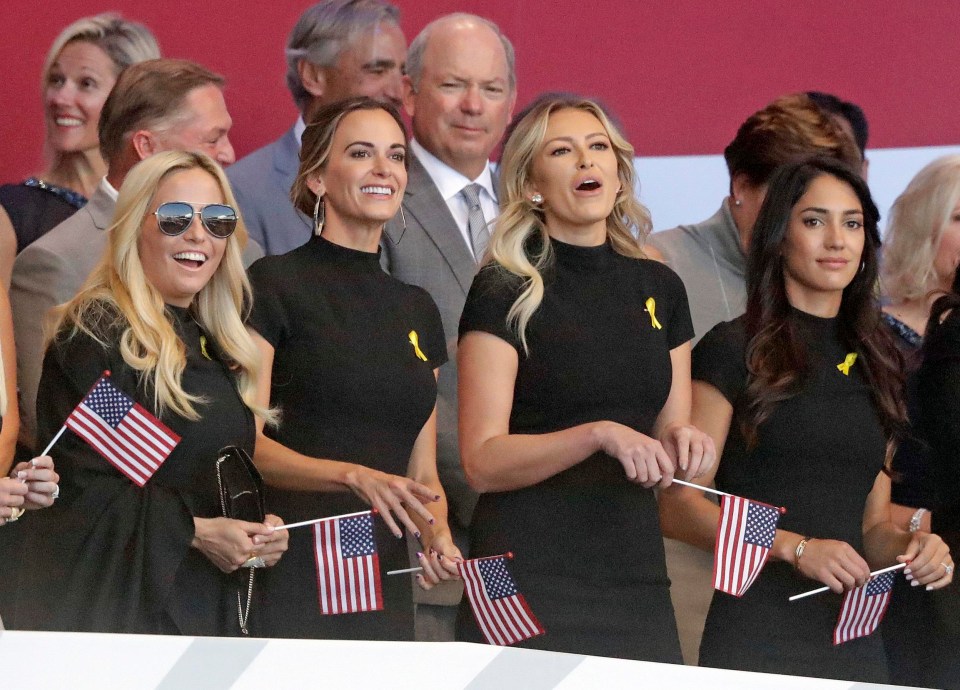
column 681, row 75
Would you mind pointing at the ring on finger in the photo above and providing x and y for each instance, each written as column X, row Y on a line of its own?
column 948, row 567
column 56, row 492
column 15, row 514
column 254, row 562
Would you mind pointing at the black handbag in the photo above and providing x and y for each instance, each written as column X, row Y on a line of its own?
column 241, row 498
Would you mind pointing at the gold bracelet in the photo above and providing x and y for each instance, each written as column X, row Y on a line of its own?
column 799, row 552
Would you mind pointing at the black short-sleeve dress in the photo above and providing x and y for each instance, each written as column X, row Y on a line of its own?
column 110, row 556
column 588, row 551
column 352, row 385
column 818, row 455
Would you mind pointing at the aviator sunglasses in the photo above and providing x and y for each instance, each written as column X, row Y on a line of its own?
column 174, row 217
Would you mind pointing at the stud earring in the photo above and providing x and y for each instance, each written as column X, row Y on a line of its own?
column 318, row 218
column 738, row 202
column 537, row 199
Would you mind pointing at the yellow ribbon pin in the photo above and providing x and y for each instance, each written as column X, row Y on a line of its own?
column 203, row 346
column 847, row 362
column 415, row 341
column 652, row 309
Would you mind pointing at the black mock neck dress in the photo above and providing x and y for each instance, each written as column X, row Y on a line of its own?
column 350, row 386
column 588, row 551
column 818, row 455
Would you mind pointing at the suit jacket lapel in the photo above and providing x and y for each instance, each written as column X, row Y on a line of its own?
column 101, row 208
column 423, row 202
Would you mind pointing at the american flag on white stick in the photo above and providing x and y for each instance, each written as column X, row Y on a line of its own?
column 128, row 436
column 744, row 539
column 348, row 568
column 500, row 610
column 863, row 608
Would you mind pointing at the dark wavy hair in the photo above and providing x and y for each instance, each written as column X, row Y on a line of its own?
column 776, row 354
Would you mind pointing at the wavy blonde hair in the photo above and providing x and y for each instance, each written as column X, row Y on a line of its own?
column 117, row 294
column 917, row 221
column 520, row 220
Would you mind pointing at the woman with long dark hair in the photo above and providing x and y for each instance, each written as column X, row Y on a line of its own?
column 802, row 396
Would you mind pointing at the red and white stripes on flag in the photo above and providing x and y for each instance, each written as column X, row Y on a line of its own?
column 500, row 610
column 348, row 568
column 744, row 539
column 123, row 432
column 863, row 608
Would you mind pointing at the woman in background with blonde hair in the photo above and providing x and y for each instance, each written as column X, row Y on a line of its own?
column 574, row 363
column 78, row 73
column 163, row 312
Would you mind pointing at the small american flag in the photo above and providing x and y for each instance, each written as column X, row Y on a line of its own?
column 123, row 432
column 744, row 538
column 863, row 609
column 501, row 611
column 348, row 568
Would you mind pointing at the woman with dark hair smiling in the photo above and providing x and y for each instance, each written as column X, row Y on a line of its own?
column 352, row 356
column 802, row 396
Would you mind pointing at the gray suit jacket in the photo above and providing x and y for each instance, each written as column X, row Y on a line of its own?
column 432, row 253
column 261, row 182
column 49, row 272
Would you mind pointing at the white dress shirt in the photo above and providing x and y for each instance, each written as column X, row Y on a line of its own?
column 450, row 183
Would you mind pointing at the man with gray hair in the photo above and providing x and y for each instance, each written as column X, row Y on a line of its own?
column 338, row 49
column 157, row 105
column 460, row 91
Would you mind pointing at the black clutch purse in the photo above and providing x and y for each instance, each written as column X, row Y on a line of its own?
column 241, row 498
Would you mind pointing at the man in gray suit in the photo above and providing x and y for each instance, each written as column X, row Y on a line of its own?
column 157, row 105
column 338, row 49
column 460, row 91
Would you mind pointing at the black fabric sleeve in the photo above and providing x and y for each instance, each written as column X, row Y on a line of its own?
column 434, row 342
column 939, row 404
column 676, row 316
column 268, row 316
column 491, row 295
column 108, row 551
column 720, row 359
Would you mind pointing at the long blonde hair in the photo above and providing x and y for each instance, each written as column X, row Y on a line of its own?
column 118, row 294
column 917, row 221
column 520, row 220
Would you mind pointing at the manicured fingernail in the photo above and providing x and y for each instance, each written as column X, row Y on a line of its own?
column 440, row 557
column 416, row 534
column 34, row 462
column 909, row 576
column 914, row 583
column 929, row 588
column 430, row 521
column 437, row 497
column 906, row 571
column 21, row 475
column 399, row 536
column 420, row 555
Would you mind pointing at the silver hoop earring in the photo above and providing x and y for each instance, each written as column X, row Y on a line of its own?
column 318, row 219
column 537, row 199
column 403, row 228
column 863, row 265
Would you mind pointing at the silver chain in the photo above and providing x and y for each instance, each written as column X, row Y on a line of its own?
column 242, row 615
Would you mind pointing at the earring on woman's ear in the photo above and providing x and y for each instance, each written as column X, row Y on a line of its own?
column 863, row 265
column 537, row 199
column 738, row 202
column 318, row 218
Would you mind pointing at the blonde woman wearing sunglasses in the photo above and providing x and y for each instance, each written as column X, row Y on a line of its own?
column 162, row 313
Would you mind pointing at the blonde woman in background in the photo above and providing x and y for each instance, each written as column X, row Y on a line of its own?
column 78, row 73
column 574, row 362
